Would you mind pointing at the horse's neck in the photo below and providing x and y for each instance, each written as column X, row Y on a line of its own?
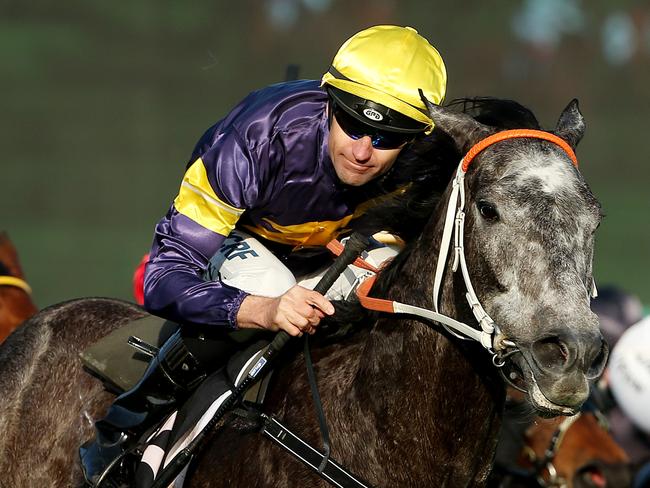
column 420, row 360
column 448, row 386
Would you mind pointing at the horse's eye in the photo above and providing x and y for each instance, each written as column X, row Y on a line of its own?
column 488, row 212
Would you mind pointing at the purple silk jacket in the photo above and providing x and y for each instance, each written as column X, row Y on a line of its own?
column 264, row 168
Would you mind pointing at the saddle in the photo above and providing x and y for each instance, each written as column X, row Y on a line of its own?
column 120, row 359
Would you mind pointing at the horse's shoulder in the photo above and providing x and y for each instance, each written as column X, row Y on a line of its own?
column 67, row 326
column 88, row 314
column 99, row 306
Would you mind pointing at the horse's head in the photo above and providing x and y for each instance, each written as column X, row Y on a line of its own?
column 576, row 452
column 529, row 239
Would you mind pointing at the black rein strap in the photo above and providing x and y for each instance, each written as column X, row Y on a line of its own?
column 318, row 405
column 355, row 245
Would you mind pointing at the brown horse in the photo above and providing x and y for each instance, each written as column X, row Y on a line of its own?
column 16, row 304
column 564, row 452
column 583, row 453
column 408, row 404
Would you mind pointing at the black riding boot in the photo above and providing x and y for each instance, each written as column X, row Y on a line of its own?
column 172, row 374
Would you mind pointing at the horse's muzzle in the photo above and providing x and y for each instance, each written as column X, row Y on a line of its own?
column 559, row 366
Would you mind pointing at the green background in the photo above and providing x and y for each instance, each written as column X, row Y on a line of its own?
column 101, row 103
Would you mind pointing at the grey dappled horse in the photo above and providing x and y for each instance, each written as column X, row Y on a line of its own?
column 407, row 404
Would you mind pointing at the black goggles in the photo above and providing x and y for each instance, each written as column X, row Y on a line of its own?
column 381, row 139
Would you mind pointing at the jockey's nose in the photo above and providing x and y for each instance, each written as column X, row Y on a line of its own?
column 362, row 148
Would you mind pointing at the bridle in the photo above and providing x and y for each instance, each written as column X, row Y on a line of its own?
column 545, row 464
column 488, row 335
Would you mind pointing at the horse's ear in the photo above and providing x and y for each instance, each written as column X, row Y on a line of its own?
column 571, row 125
column 463, row 129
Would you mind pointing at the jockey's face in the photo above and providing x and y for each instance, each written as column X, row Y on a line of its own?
column 355, row 161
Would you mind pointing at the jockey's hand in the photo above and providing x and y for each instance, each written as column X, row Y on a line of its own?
column 298, row 311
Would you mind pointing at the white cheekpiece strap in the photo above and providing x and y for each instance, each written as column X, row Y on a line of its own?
column 455, row 226
column 457, row 185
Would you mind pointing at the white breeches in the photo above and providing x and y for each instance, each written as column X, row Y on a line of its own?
column 244, row 263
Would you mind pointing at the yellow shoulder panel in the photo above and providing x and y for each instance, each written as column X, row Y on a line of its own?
column 198, row 201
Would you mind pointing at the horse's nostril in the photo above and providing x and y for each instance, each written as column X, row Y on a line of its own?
column 593, row 476
column 597, row 365
column 551, row 353
column 601, row 474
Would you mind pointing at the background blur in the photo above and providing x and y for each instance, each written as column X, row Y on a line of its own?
column 101, row 104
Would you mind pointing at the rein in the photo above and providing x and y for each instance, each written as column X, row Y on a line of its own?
column 489, row 334
column 15, row 282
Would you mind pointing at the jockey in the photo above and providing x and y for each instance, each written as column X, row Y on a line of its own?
column 264, row 191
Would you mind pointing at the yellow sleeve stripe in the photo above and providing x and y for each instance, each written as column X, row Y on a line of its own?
column 198, row 201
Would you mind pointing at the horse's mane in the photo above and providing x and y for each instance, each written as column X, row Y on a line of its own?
column 497, row 112
column 424, row 170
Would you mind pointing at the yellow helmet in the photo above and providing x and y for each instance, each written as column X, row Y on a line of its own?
column 387, row 64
